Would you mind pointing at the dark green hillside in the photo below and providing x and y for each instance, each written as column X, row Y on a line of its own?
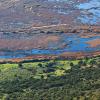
column 52, row 80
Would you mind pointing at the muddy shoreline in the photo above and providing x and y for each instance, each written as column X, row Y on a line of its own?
column 49, row 29
column 64, row 56
column 42, row 36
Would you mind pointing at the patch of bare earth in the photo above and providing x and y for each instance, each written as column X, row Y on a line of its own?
column 40, row 42
column 78, row 55
column 94, row 43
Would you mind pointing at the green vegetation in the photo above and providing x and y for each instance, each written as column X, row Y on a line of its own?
column 51, row 80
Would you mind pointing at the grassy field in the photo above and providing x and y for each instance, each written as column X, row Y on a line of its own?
column 35, row 69
column 39, row 69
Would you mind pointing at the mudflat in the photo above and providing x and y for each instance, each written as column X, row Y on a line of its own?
column 49, row 28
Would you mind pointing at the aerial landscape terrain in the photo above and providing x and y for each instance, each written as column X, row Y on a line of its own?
column 49, row 49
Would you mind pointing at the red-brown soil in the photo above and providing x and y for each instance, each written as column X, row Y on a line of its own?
column 39, row 42
column 94, row 43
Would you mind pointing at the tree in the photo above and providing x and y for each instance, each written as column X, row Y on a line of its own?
column 84, row 63
column 40, row 65
column 71, row 64
column 20, row 65
column 80, row 63
column 93, row 62
column 42, row 77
